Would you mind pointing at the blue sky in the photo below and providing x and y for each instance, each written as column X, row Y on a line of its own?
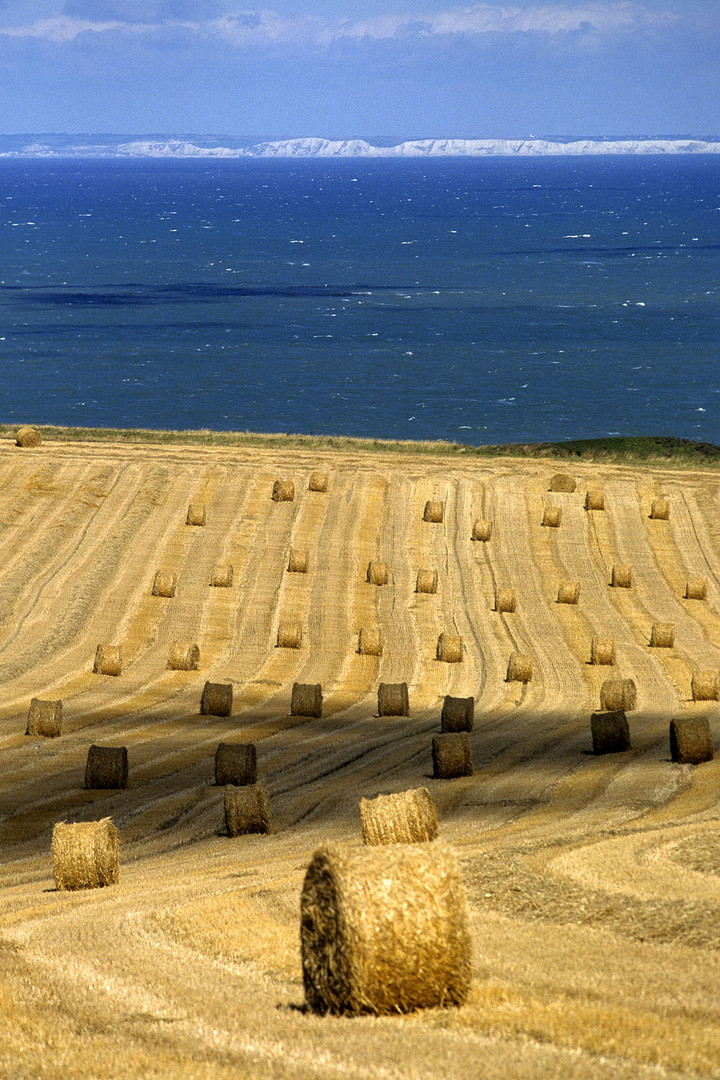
column 377, row 67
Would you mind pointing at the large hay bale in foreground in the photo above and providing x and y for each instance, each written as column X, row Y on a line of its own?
column 106, row 767
column 552, row 517
column 696, row 588
column 247, row 809
column 458, row 714
column 222, row 577
column 690, row 740
column 44, row 719
column 384, row 930
column 452, row 756
column 520, row 668
column 505, row 600
column 595, row 499
column 289, row 635
column 236, row 764
column 164, row 584
column 621, row 576
column 318, row 481
column 482, row 530
column 602, row 650
column 568, row 592
column 28, row 437
column 370, row 642
column 618, row 694
column 283, row 491
column 108, row 660
column 196, row 514
column 660, row 509
column 306, row 700
column 297, row 561
column 216, row 699
column 434, row 511
column 86, row 855
column 562, row 482
column 184, row 656
column 610, row 732
column 705, row 686
column 393, row 699
column 405, row 817
column 662, row 635
column 377, row 573
column 449, row 648
column 427, row 581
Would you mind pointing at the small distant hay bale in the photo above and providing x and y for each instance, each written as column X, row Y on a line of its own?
column 297, row 561
column 407, row 817
column 283, row 491
column 86, row 855
column 610, row 732
column 434, row 511
column 196, row 514
column 222, row 577
column 108, row 660
column 552, row 517
column 562, row 482
column 520, row 668
column 393, row 699
column 236, row 764
column 106, row 767
column 482, row 529
column 662, row 635
column 247, row 809
column 44, row 719
column 318, row 481
column 28, row 437
column 696, row 589
column 690, row 740
column 705, row 686
column 164, row 584
column 452, row 756
column 306, row 700
column 377, row 573
column 449, row 649
column 384, row 930
column 568, row 592
column 618, row 694
column 602, row 650
column 458, row 714
column 595, row 499
column 370, row 642
column 184, row 656
column 660, row 509
column 506, row 600
column 427, row 581
column 289, row 635
column 216, row 699
column 621, row 576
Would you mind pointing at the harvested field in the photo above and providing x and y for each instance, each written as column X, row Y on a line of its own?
column 593, row 881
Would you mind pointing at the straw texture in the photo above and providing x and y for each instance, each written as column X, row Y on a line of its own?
column 458, row 714
column 108, row 660
column 377, row 573
column 393, row 699
column 247, row 809
column 164, row 584
column 662, row 635
column 196, row 514
column 520, row 668
column 184, row 656
column 106, row 767
column 434, row 511
column 696, row 589
column 621, row 576
column 289, row 635
column 427, row 581
column 482, row 529
column 690, row 740
column 216, row 699
column 283, row 491
column 235, row 763
column 44, row 719
column 452, row 756
column 506, row 601
column 595, row 499
column 85, row 855
column 449, row 648
column 370, row 642
column 602, row 650
column 705, row 686
column 562, row 482
column 318, row 481
column 610, row 732
column 222, row 577
column 552, row 517
column 405, row 817
column 618, row 694
column 660, row 509
column 306, row 700
column 297, row 561
column 568, row 592
column 28, row 437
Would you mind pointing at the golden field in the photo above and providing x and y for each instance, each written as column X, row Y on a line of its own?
column 593, row 881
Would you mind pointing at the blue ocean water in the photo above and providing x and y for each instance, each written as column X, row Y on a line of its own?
column 484, row 300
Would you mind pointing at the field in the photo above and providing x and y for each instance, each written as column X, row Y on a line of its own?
column 593, row 881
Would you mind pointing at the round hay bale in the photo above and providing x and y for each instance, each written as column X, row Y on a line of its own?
column 108, row 660
column 384, row 930
column 164, row 584
column 216, row 699
column 406, row 817
column 520, row 668
column 690, row 740
column 482, row 529
column 696, row 589
column 297, row 561
column 662, row 635
column 306, row 700
column 222, row 577
column 370, row 642
column 44, row 719
column 562, row 482
column 393, row 699
column 705, row 686
column 85, row 855
column 505, row 600
column 196, row 514
column 595, row 499
column 618, row 694
column 377, row 573
column 184, row 656
column 452, row 756
column 602, row 650
column 247, row 809
column 449, row 649
column 660, row 509
column 568, row 592
column 434, row 511
column 106, row 767
column 289, row 635
column 235, row 763
column 427, row 581
column 552, row 517
column 610, row 732
column 283, row 491
column 318, row 481
column 458, row 714
column 28, row 437
column 621, row 577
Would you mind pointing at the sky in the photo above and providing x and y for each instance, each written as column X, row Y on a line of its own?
column 341, row 68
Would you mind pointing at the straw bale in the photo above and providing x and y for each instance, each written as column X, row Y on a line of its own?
column 621, row 576
column 184, row 656
column 222, row 576
column 393, row 699
column 306, row 700
column 427, row 581
column 662, row 635
column 690, row 740
column 696, row 589
column 706, row 686
column 458, row 714
column 377, row 573
column 44, row 718
column 660, row 509
column 406, row 817
column 610, row 732
column 106, row 767
column 568, row 592
column 86, row 855
column 562, row 482
column 434, row 511
column 289, row 635
column 318, row 481
column 449, row 648
column 384, row 930
column 552, row 517
column 618, row 694
column 28, row 437
column 108, row 660
column 216, row 699
column 595, row 499
column 452, row 756
column 283, row 491
column 482, row 529
column 370, row 642
column 196, row 514
column 247, row 809
column 164, row 584
column 505, row 600
column 297, row 561
column 602, row 650
column 235, row 763
column 520, row 668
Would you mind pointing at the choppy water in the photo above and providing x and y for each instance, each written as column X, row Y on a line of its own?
column 482, row 300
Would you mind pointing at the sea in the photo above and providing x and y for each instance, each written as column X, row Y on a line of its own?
column 479, row 301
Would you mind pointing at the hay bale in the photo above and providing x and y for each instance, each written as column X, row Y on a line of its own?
column 568, row 592
column 393, row 699
column 306, row 700
column 384, row 930
column 690, row 740
column 660, row 509
column 705, row 686
column 452, row 756
column 520, row 668
column 427, row 581
column 449, row 648
column 289, row 635
column 108, row 660
column 610, row 732
column 621, row 577
column 318, row 481
column 434, row 511
column 235, row 763
column 482, row 529
column 505, row 600
column 377, row 573
column 216, row 699
column 370, row 642
column 106, row 767
column 562, row 482
column 85, row 855
column 222, row 577
column 28, row 437
column 406, row 817
column 618, row 694
column 552, row 517
column 164, row 584
column 602, row 650
column 196, row 514
column 283, row 491
column 247, row 809
column 184, row 656
column 44, row 719
column 662, row 635
column 297, row 561
column 595, row 499
column 696, row 589
column 458, row 714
